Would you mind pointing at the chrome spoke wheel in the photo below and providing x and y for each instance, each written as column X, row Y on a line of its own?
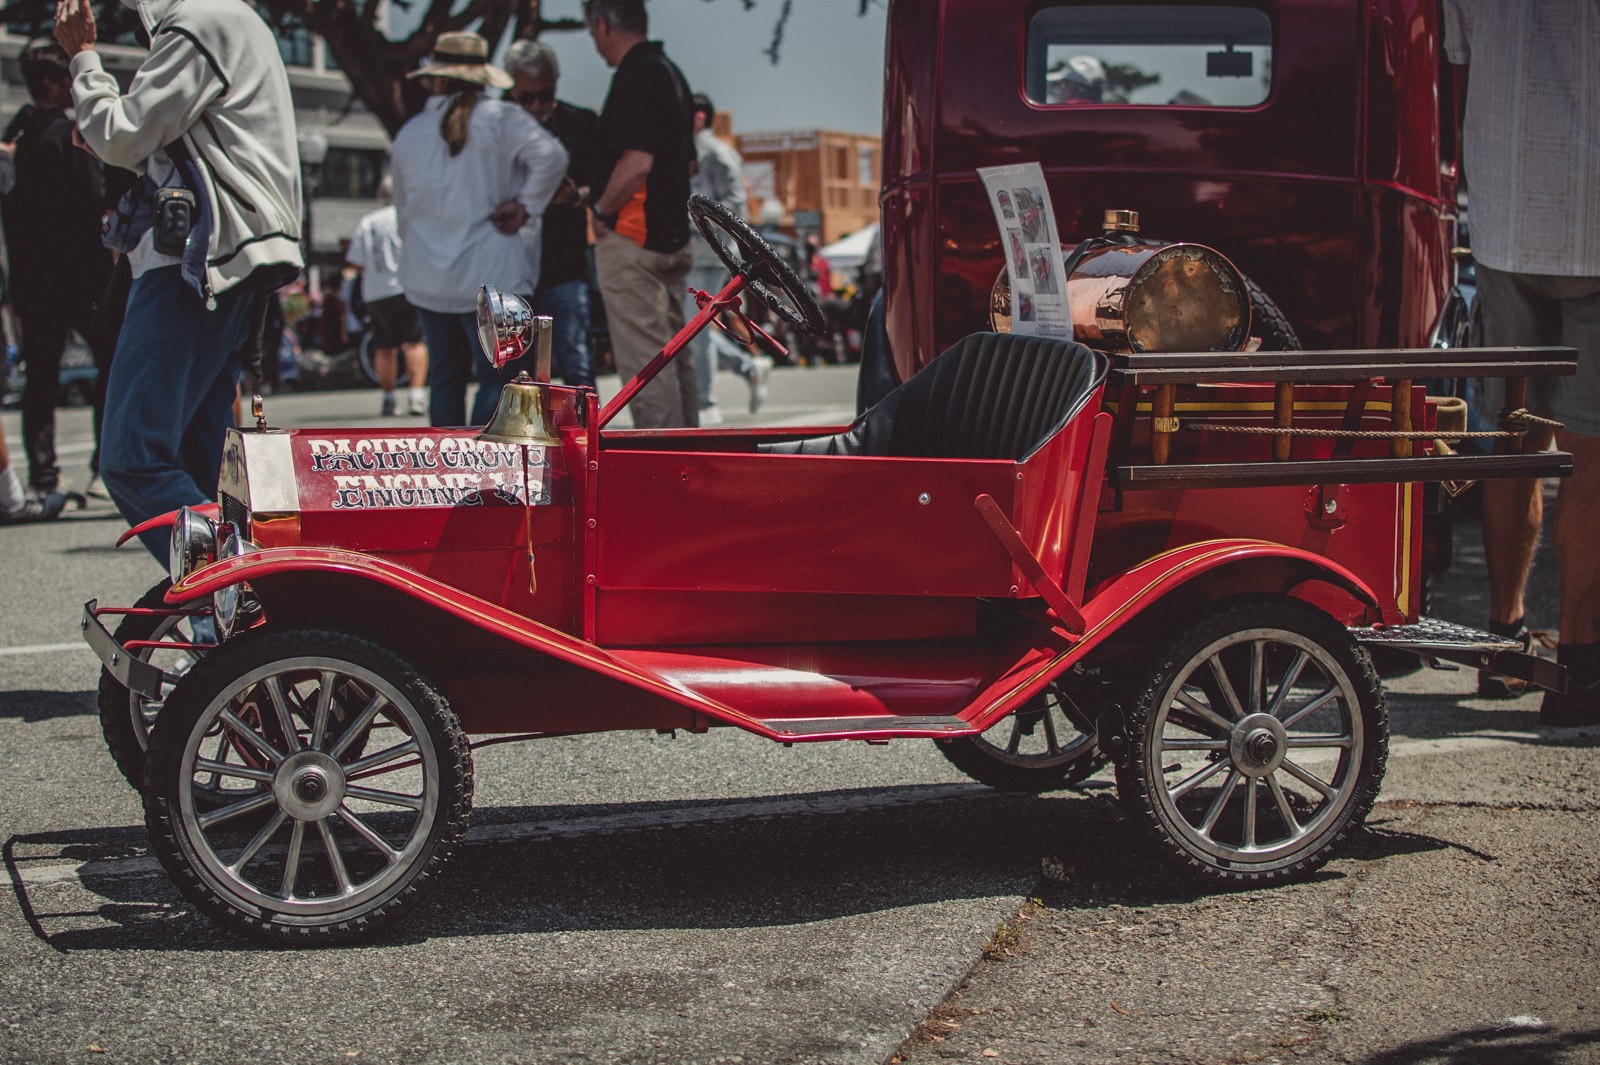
column 1049, row 743
column 367, row 837
column 1259, row 741
column 312, row 783
column 1265, row 806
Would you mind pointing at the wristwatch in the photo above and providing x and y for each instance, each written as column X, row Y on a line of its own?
column 607, row 220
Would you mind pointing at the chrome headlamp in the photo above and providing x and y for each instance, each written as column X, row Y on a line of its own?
column 193, row 544
column 504, row 325
column 231, row 601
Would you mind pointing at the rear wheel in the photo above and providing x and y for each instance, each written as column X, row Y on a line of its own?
column 313, row 846
column 1048, row 744
column 1257, row 744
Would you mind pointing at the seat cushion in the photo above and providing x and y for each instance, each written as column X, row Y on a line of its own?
column 991, row 396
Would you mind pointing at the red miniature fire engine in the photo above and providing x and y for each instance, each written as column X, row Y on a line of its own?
column 1168, row 560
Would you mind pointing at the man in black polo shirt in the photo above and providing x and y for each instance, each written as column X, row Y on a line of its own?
column 638, row 189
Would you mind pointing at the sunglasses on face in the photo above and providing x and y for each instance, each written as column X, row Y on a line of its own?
column 538, row 96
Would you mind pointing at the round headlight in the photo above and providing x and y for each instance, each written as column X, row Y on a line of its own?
column 504, row 325
column 227, row 601
column 193, row 544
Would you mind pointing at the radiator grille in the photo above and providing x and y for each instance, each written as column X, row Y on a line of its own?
column 236, row 512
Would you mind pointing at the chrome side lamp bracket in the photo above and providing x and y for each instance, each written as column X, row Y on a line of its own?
column 505, row 325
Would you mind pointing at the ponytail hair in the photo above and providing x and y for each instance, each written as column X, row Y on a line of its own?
column 458, row 117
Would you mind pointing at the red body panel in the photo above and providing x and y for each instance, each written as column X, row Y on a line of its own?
column 1376, row 533
column 766, row 689
column 739, row 547
column 1329, row 194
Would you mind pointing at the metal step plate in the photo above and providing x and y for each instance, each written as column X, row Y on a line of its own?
column 1432, row 638
column 814, row 728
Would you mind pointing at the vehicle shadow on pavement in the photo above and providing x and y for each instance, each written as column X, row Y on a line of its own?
column 1504, row 1045
column 32, row 705
column 673, row 865
column 683, row 865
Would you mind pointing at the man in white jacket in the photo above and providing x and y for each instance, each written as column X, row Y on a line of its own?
column 208, row 110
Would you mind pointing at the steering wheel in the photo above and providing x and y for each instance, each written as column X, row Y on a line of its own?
column 765, row 274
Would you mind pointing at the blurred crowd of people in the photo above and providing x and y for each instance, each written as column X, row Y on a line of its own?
column 535, row 195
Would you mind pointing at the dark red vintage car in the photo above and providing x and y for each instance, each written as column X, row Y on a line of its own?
column 1310, row 141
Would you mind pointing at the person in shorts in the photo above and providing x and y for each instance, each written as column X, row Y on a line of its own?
column 1532, row 139
column 395, row 328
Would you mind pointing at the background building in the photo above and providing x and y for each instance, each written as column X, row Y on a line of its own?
column 827, row 182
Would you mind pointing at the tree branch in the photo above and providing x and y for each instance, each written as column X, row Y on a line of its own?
column 777, row 31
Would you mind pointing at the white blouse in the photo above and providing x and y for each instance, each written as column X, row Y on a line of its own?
column 448, row 246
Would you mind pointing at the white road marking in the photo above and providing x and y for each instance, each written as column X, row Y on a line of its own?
column 77, row 448
column 46, row 648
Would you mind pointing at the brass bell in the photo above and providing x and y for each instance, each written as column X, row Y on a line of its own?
column 520, row 417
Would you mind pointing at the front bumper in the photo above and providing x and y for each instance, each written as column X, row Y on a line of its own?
column 131, row 671
column 1449, row 642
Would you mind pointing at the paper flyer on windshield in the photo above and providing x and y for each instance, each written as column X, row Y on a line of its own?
column 1022, row 210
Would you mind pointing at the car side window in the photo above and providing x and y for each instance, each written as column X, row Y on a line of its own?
column 1149, row 54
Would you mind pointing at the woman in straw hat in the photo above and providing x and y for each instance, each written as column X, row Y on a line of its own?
column 470, row 175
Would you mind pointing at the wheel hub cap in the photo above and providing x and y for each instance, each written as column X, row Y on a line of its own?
column 309, row 786
column 1257, row 744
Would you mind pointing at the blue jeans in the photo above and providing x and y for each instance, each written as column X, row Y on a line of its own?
column 568, row 304
column 454, row 358
column 169, row 401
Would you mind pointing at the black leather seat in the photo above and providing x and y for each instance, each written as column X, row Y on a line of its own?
column 991, row 396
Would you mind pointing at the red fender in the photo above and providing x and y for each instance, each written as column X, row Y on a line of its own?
column 469, row 608
column 1118, row 600
column 161, row 521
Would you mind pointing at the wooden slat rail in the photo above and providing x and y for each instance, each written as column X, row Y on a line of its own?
column 1400, row 362
column 1131, row 372
column 1339, row 471
column 1333, row 373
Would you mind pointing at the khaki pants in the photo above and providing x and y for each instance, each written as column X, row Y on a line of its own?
column 1543, row 310
column 643, row 293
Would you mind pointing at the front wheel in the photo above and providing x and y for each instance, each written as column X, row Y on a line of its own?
column 1257, row 744
column 313, row 847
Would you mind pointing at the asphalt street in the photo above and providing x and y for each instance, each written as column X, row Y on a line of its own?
column 717, row 898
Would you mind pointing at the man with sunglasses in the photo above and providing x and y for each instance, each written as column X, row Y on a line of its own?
column 563, row 291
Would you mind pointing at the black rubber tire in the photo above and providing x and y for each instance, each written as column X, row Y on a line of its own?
column 179, row 851
column 1140, row 773
column 1031, row 774
column 1269, row 322
column 126, row 738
